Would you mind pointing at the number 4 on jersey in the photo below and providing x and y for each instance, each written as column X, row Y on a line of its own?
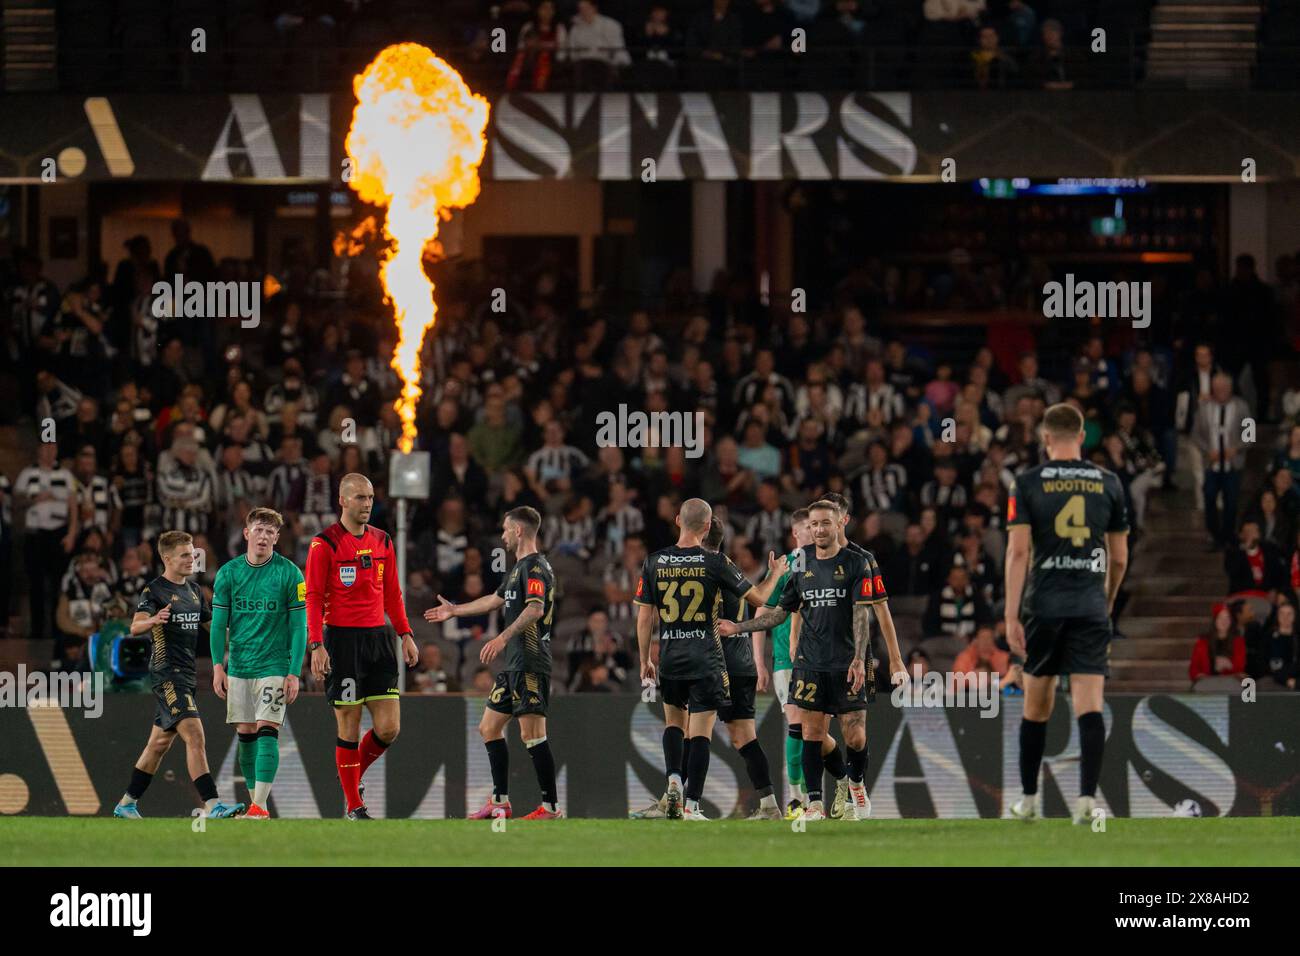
column 1071, row 521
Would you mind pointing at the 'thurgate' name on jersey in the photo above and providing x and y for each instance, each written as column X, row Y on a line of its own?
column 685, row 586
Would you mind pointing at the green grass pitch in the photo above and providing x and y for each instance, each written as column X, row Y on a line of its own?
column 51, row 841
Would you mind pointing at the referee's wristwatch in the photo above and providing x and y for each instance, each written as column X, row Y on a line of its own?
column 315, row 644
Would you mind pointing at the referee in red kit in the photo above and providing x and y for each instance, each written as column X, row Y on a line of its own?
column 351, row 582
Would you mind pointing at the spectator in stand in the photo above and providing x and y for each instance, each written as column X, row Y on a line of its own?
column 767, row 27
column 983, row 573
column 553, row 469
column 880, row 484
column 81, row 608
column 1141, row 461
column 595, row 679
column 618, row 519
column 917, row 663
column 756, row 455
column 1293, row 566
column 725, row 480
column 1275, row 526
column 1050, row 66
column 1289, row 456
column 620, row 580
column 465, row 631
column 1281, row 645
column 1154, row 417
column 287, row 482
column 495, row 443
column 809, row 463
column 1019, row 25
column 185, row 489
column 1255, row 564
column 459, row 474
column 187, row 257
column 539, row 44
column 769, row 526
column 716, row 35
column 597, row 645
column 48, row 493
column 429, row 676
column 573, row 531
column 982, row 655
column 595, row 47
column 482, row 682
column 956, row 609
column 991, row 66
column 1194, row 392
column 656, row 41
column 100, row 506
column 356, row 390
column 944, row 493
column 1218, row 433
column 133, row 483
column 133, row 577
column 1222, row 651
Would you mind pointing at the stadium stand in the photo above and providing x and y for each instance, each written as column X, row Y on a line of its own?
column 162, row 425
column 169, row 424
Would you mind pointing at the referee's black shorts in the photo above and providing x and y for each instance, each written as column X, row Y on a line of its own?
column 363, row 665
column 1067, row 645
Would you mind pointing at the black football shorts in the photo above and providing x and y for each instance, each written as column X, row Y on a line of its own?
column 825, row 691
column 1067, row 645
column 520, row 694
column 697, row 694
column 363, row 665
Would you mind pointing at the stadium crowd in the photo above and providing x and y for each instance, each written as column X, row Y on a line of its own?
column 162, row 423
column 538, row 45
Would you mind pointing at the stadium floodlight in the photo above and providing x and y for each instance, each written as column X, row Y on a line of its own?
column 408, row 475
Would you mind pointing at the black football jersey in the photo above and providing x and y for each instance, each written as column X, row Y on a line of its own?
column 737, row 650
column 686, row 587
column 531, row 579
column 176, row 639
column 825, row 593
column 1069, row 506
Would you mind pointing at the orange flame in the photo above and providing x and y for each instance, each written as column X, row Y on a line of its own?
column 415, row 144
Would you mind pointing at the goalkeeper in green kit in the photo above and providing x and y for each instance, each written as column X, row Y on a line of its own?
column 261, row 600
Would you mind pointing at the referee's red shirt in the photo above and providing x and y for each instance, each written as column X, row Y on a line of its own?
column 352, row 581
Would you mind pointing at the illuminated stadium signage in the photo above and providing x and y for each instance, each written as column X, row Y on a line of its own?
column 298, row 138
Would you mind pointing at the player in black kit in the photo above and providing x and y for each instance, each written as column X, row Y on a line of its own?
column 1069, row 530
column 682, row 587
column 523, row 689
column 833, row 593
column 171, row 609
column 740, row 655
column 884, row 619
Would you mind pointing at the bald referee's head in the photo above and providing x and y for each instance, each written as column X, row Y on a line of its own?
column 356, row 498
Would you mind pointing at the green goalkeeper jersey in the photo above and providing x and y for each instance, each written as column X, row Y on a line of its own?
column 266, row 610
column 781, row 633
